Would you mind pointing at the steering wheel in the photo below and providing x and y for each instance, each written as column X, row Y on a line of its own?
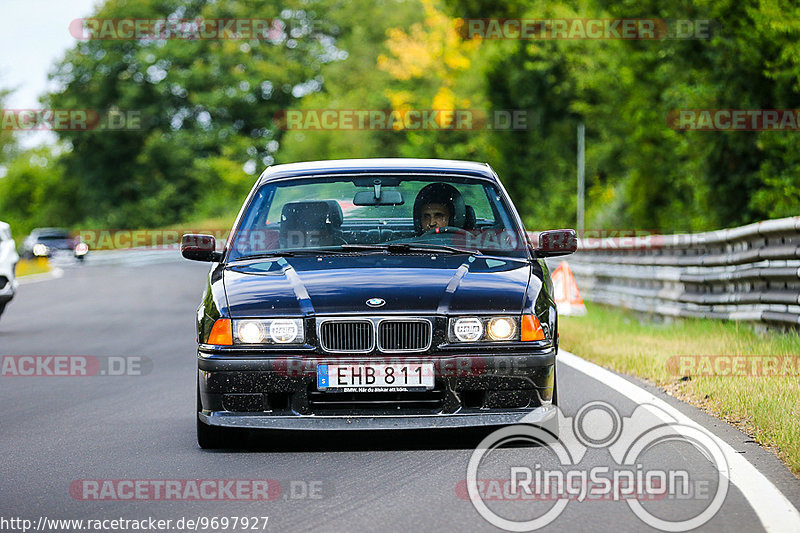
column 446, row 229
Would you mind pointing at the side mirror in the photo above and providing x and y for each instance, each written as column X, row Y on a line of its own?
column 200, row 248
column 556, row 242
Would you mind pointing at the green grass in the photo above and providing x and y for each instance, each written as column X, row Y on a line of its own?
column 767, row 407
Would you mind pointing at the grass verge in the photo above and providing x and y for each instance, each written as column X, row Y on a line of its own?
column 673, row 356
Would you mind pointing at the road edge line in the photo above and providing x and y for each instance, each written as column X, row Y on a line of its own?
column 771, row 506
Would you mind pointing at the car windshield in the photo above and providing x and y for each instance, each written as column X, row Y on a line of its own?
column 53, row 236
column 395, row 212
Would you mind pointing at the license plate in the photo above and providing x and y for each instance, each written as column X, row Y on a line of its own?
column 375, row 377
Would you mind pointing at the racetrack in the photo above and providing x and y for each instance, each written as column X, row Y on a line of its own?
column 57, row 431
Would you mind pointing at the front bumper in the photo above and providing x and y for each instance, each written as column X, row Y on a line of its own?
column 537, row 416
column 280, row 393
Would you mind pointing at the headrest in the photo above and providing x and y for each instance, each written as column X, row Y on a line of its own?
column 311, row 215
column 469, row 219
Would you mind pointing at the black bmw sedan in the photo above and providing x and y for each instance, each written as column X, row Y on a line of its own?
column 376, row 294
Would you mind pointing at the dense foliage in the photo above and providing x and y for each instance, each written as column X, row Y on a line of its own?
column 211, row 110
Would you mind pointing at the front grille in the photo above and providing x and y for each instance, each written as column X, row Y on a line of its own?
column 347, row 336
column 404, row 335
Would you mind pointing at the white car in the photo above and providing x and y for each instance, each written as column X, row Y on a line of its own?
column 8, row 262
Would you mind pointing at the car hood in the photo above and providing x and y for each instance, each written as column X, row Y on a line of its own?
column 413, row 284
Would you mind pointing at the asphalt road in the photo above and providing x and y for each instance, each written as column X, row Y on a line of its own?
column 57, row 431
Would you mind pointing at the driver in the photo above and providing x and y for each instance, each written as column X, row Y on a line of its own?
column 437, row 206
column 435, row 215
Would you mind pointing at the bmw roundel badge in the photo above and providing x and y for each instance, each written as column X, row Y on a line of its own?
column 376, row 302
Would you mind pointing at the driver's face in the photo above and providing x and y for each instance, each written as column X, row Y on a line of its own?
column 435, row 216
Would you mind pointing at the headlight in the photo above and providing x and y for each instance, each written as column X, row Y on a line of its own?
column 501, row 329
column 468, row 329
column 40, row 250
column 481, row 329
column 273, row 331
column 250, row 332
column 284, row 331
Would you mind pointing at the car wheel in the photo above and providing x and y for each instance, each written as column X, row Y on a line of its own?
column 208, row 437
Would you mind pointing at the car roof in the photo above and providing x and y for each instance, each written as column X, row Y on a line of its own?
column 346, row 166
column 49, row 231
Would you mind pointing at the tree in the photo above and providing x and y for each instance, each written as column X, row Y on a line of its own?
column 7, row 143
column 207, row 107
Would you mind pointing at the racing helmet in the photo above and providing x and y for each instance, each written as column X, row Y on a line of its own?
column 440, row 193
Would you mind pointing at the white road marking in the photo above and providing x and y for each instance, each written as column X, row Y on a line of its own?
column 773, row 509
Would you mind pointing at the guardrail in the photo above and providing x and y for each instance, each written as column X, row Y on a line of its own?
column 749, row 273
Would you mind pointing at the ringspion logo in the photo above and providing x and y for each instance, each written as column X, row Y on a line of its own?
column 556, row 474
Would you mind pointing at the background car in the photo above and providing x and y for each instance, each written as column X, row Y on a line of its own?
column 50, row 242
column 8, row 264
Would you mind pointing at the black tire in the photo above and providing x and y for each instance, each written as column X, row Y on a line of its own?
column 208, row 437
column 555, row 386
column 552, row 425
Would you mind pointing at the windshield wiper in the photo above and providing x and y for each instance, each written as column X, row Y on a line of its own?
column 405, row 247
column 343, row 248
column 394, row 248
column 263, row 256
